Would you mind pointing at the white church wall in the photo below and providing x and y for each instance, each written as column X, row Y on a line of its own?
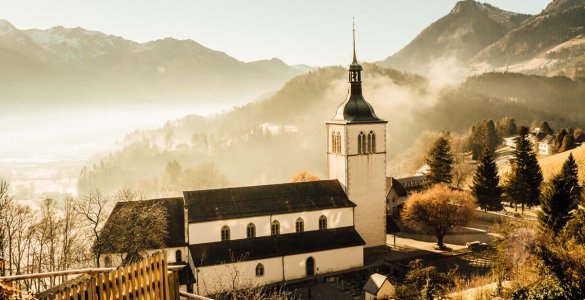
column 336, row 218
column 367, row 187
column 218, row 278
column 207, row 232
column 325, row 261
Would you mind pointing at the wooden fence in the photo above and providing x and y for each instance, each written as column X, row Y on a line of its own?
column 148, row 279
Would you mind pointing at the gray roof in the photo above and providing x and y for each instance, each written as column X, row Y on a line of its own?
column 355, row 109
column 274, row 246
column 261, row 200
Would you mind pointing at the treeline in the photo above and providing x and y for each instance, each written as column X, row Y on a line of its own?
column 68, row 235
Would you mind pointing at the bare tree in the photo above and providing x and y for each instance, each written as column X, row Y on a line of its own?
column 135, row 227
column 93, row 211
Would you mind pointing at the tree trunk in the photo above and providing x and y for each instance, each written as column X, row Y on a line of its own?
column 440, row 237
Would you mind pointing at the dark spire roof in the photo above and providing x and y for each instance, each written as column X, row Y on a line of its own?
column 355, row 109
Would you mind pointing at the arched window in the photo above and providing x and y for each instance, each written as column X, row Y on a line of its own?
column 361, row 143
column 371, row 142
column 310, row 266
column 251, row 230
column 178, row 256
column 322, row 222
column 338, row 135
column 259, row 270
column 333, row 142
column 300, row 225
column 225, row 233
column 108, row 261
column 275, row 228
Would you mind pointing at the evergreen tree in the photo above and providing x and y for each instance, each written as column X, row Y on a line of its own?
column 568, row 142
column 486, row 184
column 544, row 127
column 507, row 127
column 491, row 137
column 482, row 135
column 440, row 161
column 555, row 204
column 559, row 139
column 570, row 175
column 560, row 197
column 525, row 178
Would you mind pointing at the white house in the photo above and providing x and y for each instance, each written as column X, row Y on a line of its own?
column 281, row 232
column 545, row 146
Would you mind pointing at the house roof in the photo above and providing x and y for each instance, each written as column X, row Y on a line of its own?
column 175, row 218
column 241, row 202
column 396, row 185
column 410, row 179
column 374, row 283
column 274, row 246
column 549, row 139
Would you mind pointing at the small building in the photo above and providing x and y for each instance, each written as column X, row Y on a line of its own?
column 545, row 146
column 398, row 190
column 379, row 287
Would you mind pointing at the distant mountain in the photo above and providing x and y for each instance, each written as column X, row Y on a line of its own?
column 551, row 43
column 73, row 65
column 458, row 36
column 481, row 38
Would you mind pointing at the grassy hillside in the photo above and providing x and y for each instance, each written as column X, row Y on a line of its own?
column 551, row 165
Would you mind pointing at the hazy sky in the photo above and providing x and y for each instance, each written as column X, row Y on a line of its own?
column 314, row 32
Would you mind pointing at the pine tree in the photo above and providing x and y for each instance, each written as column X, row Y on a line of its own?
column 440, row 161
column 491, row 137
column 555, row 205
column 570, row 175
column 486, row 184
column 568, row 142
column 560, row 197
column 525, row 178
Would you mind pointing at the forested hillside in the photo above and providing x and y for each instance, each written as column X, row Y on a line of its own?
column 241, row 148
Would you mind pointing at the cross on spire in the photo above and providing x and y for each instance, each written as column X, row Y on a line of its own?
column 353, row 28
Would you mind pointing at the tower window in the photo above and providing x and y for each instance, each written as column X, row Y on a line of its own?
column 335, row 142
column 251, row 230
column 338, row 137
column 259, row 270
column 178, row 256
column 225, row 233
column 300, row 225
column 322, row 222
column 275, row 228
column 361, row 143
column 371, row 142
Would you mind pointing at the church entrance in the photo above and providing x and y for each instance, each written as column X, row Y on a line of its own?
column 310, row 265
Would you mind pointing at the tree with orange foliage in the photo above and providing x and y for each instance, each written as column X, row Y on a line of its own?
column 304, row 176
column 438, row 210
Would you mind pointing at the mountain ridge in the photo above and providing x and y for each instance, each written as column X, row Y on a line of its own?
column 80, row 66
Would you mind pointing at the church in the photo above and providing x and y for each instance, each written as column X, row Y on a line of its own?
column 276, row 233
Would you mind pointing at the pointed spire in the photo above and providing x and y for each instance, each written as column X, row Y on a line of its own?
column 353, row 28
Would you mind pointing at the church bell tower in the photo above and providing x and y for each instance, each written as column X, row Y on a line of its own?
column 356, row 156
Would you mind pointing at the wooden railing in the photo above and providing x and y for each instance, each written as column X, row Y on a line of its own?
column 148, row 279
